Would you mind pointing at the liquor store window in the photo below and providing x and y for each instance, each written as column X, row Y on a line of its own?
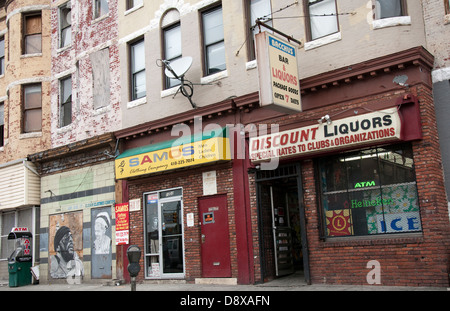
column 369, row 192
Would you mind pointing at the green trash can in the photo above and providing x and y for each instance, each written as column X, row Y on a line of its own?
column 21, row 260
column 20, row 272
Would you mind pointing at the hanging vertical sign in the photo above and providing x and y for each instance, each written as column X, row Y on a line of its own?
column 122, row 223
column 279, row 86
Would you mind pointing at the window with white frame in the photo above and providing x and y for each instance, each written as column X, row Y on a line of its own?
column 257, row 9
column 65, row 23
column 2, row 56
column 172, row 49
column 2, row 124
column 100, row 8
column 137, row 70
column 213, row 40
column 322, row 18
column 134, row 3
column 65, row 101
column 389, row 8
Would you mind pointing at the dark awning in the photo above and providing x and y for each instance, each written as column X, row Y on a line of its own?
column 19, row 234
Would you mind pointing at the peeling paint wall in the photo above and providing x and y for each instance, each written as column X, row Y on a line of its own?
column 22, row 69
column 93, row 63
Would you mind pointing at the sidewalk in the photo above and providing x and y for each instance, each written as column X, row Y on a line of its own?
column 168, row 287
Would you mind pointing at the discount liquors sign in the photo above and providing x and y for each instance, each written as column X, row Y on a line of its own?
column 279, row 86
column 364, row 129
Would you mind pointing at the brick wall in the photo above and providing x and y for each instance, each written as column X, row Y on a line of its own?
column 89, row 37
column 407, row 260
column 192, row 184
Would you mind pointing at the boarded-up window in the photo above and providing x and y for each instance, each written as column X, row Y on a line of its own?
column 32, row 34
column 101, row 78
column 32, row 108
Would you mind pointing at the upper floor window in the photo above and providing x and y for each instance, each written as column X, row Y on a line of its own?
column 32, row 34
column 322, row 19
column 32, row 108
column 256, row 9
column 137, row 57
column 213, row 41
column 447, row 6
column 100, row 8
column 389, row 8
column 172, row 49
column 2, row 56
column 65, row 23
column 65, row 105
column 2, row 124
column 134, row 3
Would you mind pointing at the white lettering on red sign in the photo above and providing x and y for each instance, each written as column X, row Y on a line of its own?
column 372, row 127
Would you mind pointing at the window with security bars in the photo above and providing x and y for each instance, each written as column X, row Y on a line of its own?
column 369, row 192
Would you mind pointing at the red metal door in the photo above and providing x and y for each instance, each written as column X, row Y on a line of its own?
column 216, row 262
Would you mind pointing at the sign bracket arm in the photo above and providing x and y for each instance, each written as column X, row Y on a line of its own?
column 289, row 38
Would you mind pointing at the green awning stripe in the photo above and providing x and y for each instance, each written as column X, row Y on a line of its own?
column 167, row 144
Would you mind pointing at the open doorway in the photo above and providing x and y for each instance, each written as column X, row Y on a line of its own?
column 283, row 246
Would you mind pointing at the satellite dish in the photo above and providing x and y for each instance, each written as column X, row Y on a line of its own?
column 178, row 68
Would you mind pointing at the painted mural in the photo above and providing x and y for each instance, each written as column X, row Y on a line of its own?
column 66, row 245
column 101, row 265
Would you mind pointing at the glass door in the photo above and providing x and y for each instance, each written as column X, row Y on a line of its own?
column 164, row 251
column 172, row 237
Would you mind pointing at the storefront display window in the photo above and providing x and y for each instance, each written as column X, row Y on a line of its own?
column 164, row 253
column 369, row 192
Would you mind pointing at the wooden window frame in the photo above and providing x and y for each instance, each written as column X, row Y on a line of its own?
column 25, row 109
column 26, row 35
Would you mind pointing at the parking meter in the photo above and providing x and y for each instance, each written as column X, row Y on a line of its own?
column 134, row 255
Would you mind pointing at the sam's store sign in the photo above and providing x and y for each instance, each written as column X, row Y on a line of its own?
column 383, row 125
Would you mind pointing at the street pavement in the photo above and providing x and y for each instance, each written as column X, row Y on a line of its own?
column 168, row 286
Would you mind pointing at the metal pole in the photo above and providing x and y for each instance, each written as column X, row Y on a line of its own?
column 290, row 38
column 133, row 284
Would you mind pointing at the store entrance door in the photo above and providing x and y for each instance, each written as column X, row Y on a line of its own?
column 282, row 226
column 215, row 250
column 282, row 232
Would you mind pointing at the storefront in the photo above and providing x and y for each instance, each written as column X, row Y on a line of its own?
column 19, row 207
column 357, row 197
column 77, row 212
column 182, row 208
